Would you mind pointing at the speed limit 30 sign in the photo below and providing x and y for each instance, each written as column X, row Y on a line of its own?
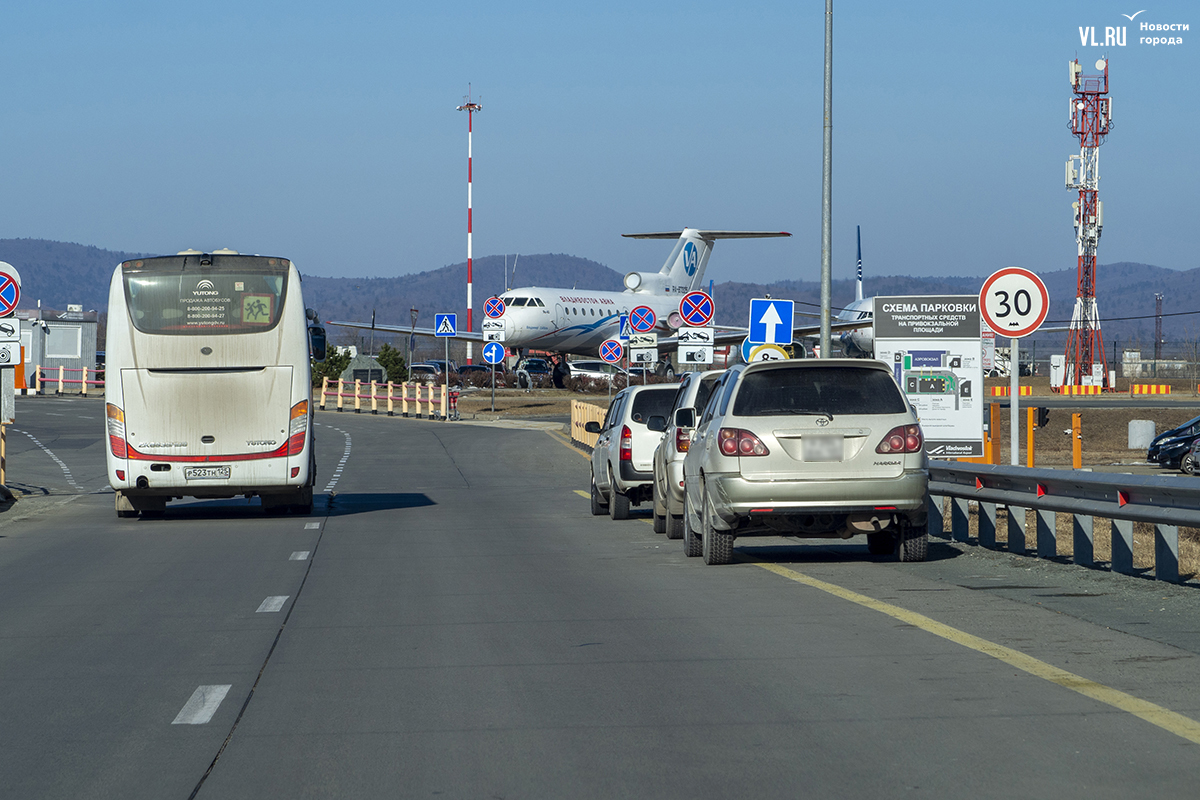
column 1014, row 302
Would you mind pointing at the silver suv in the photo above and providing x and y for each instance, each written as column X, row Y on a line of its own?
column 813, row 448
column 694, row 389
column 622, row 458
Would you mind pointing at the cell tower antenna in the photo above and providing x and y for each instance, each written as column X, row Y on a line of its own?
column 1091, row 120
column 470, row 106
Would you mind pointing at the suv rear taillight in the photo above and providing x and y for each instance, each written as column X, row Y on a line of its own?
column 626, row 443
column 902, row 439
column 737, row 442
column 683, row 440
column 298, row 428
column 116, row 431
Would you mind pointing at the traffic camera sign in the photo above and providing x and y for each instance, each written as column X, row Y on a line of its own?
column 1014, row 302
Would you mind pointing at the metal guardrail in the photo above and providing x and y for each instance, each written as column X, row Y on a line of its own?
column 1166, row 503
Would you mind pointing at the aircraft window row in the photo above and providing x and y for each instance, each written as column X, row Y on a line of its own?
column 575, row 311
column 524, row 301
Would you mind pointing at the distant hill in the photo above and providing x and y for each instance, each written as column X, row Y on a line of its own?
column 59, row 273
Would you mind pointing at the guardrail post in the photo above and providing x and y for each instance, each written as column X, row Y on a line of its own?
column 324, row 389
column 987, row 525
column 83, row 387
column 357, row 398
column 1047, row 534
column 960, row 519
column 417, row 394
column 445, row 400
column 60, row 379
column 936, row 516
column 341, row 388
column 1016, row 530
column 37, row 379
column 1083, row 544
column 404, row 399
column 390, row 414
column 1122, row 546
column 374, row 400
column 1166, row 552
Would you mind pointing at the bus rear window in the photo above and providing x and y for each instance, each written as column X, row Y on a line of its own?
column 171, row 298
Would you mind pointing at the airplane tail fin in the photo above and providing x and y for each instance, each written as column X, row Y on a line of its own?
column 858, row 284
column 685, row 266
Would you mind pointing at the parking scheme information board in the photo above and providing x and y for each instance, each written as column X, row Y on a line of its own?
column 932, row 344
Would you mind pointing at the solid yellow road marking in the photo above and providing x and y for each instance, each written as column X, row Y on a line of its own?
column 1168, row 720
column 583, row 494
column 565, row 442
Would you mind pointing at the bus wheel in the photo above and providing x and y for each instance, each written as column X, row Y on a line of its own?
column 305, row 506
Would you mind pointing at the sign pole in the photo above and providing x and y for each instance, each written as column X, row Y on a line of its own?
column 1014, row 387
column 493, row 387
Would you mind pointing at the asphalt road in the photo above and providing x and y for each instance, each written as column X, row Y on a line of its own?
column 452, row 622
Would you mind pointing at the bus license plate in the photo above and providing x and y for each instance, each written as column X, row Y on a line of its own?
column 205, row 473
column 821, row 448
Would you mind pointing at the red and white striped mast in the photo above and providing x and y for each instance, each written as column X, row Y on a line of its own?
column 470, row 107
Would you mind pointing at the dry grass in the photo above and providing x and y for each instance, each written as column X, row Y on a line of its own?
column 1143, row 538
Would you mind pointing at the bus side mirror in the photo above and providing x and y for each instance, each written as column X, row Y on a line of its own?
column 685, row 418
column 316, row 338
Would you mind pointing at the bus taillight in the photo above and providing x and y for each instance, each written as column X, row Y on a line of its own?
column 299, row 428
column 116, row 431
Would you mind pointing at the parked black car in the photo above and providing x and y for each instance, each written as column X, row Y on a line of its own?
column 1169, row 448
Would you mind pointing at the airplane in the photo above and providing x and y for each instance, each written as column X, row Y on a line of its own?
column 578, row 321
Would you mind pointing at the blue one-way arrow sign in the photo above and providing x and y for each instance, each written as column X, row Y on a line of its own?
column 771, row 321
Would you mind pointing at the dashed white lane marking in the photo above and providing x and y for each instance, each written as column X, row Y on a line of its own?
column 201, row 706
column 299, row 555
column 81, row 416
column 312, row 526
column 337, row 473
column 55, row 458
column 52, row 414
column 272, row 604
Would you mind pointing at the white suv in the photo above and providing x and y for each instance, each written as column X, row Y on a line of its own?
column 694, row 389
column 622, row 471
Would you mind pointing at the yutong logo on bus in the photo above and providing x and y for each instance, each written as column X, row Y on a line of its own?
column 205, row 287
column 261, row 443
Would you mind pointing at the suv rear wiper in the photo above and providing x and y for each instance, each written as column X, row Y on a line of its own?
column 811, row 412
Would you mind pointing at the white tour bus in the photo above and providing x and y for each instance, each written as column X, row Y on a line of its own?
column 209, row 390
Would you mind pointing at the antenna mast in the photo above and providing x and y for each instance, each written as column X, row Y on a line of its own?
column 1091, row 120
column 470, row 107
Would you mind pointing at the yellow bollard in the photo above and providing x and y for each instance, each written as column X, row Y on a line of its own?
column 1077, row 440
column 374, row 400
column 417, row 390
column 390, row 398
column 83, row 388
column 60, row 379
column 324, row 389
column 341, row 391
column 1030, row 413
column 357, row 400
column 404, row 399
column 37, row 379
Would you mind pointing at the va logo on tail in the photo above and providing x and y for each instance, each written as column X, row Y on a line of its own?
column 691, row 258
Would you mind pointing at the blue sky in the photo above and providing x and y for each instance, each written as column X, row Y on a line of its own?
column 327, row 132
